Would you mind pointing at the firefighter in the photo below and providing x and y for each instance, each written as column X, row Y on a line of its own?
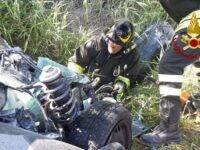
column 111, row 57
column 184, row 50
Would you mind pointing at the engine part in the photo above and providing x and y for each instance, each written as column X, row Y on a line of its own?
column 19, row 65
column 63, row 102
column 19, row 117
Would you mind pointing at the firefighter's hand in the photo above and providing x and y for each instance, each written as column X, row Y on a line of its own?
column 120, row 88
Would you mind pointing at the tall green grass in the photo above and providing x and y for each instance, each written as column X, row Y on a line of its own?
column 105, row 12
column 39, row 27
column 49, row 28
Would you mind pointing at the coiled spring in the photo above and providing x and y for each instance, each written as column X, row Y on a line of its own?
column 64, row 104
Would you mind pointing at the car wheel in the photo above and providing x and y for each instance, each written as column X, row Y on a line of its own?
column 100, row 125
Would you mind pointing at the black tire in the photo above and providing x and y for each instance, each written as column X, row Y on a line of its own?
column 102, row 124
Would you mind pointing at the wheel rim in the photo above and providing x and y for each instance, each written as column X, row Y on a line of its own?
column 121, row 134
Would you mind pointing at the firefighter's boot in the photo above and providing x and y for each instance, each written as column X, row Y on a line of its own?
column 167, row 132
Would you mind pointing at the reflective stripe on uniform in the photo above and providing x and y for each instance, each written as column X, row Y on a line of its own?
column 75, row 67
column 129, row 49
column 197, row 70
column 125, row 80
column 185, row 22
column 170, row 78
column 169, row 91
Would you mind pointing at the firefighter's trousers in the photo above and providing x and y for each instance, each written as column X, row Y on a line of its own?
column 171, row 69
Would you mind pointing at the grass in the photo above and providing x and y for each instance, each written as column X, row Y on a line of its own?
column 39, row 28
column 55, row 28
column 145, row 102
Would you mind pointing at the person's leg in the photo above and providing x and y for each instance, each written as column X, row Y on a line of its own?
column 171, row 69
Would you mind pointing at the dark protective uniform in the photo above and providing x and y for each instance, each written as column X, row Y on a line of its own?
column 93, row 57
column 184, row 50
column 178, row 9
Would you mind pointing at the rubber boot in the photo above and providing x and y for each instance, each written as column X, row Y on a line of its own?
column 167, row 132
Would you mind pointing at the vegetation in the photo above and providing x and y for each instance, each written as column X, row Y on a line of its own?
column 54, row 28
column 39, row 27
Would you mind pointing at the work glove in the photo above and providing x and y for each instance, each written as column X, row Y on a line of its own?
column 120, row 89
column 121, row 86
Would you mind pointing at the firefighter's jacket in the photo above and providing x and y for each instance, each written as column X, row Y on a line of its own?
column 178, row 9
column 94, row 59
column 183, row 51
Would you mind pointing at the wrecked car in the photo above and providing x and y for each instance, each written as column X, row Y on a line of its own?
column 48, row 99
column 44, row 105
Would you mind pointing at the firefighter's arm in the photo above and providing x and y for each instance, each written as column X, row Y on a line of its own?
column 75, row 67
column 82, row 56
column 132, row 67
column 130, row 72
column 122, row 84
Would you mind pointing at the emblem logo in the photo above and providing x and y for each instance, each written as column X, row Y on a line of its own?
column 193, row 30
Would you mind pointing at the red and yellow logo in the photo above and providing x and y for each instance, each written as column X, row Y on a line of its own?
column 193, row 30
column 191, row 39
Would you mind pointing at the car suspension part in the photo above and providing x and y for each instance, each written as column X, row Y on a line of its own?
column 63, row 101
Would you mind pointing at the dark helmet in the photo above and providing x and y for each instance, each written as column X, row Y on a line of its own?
column 178, row 9
column 122, row 33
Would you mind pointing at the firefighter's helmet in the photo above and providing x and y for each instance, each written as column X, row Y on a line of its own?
column 122, row 33
column 178, row 9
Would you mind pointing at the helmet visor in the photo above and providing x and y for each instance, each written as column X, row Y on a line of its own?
column 119, row 37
